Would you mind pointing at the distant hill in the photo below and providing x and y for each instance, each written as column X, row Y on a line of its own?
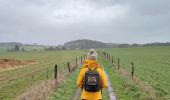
column 157, row 44
column 84, row 44
column 77, row 44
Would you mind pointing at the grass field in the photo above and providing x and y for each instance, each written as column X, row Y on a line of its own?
column 17, row 81
column 152, row 66
column 151, row 69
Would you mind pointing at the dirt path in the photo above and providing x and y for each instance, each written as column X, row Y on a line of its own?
column 77, row 94
column 110, row 90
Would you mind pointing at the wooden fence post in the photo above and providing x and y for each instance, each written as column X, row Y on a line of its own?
column 76, row 62
column 69, row 69
column 105, row 55
column 118, row 63
column 133, row 69
column 108, row 56
column 55, row 73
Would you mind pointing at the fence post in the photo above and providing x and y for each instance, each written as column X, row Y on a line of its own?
column 118, row 63
column 55, row 73
column 108, row 56
column 69, row 69
column 105, row 55
column 132, row 68
column 76, row 62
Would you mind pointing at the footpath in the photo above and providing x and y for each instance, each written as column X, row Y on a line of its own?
column 110, row 90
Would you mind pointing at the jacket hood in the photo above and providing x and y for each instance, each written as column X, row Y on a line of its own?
column 92, row 64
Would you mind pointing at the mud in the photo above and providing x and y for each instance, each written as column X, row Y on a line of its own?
column 12, row 63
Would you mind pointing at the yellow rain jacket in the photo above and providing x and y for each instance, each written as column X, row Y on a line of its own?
column 91, row 95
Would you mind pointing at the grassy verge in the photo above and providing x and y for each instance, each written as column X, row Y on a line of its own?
column 151, row 66
column 124, row 88
column 105, row 94
column 67, row 88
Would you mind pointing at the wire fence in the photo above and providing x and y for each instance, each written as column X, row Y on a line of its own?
column 53, row 77
column 116, row 62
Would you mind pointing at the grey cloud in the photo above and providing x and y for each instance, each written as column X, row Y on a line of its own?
column 58, row 21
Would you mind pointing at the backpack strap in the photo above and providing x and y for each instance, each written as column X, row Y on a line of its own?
column 95, row 68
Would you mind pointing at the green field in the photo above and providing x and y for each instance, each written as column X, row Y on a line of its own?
column 151, row 69
column 152, row 66
column 14, row 82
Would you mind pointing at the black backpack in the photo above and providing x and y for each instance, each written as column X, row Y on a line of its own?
column 92, row 81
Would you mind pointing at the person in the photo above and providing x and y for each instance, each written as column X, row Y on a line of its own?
column 91, row 90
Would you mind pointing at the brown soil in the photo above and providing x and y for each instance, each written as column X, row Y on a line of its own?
column 12, row 63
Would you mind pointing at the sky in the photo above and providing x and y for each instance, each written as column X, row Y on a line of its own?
column 54, row 22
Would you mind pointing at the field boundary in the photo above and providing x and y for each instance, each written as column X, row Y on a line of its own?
column 46, row 87
column 149, row 90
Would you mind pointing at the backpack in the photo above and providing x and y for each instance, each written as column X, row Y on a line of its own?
column 92, row 81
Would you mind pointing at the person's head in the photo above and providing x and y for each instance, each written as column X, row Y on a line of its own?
column 92, row 54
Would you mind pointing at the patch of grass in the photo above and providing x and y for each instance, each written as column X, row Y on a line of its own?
column 151, row 66
column 67, row 88
column 15, row 82
column 105, row 94
column 124, row 88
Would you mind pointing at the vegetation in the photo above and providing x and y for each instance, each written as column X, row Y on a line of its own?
column 151, row 79
column 151, row 66
column 16, row 81
column 123, row 87
column 67, row 89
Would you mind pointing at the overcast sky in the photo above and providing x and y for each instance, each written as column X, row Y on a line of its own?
column 57, row 21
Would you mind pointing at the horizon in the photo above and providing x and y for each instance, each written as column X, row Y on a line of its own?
column 57, row 22
column 79, row 39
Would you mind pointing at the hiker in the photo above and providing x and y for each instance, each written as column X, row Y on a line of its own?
column 91, row 78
